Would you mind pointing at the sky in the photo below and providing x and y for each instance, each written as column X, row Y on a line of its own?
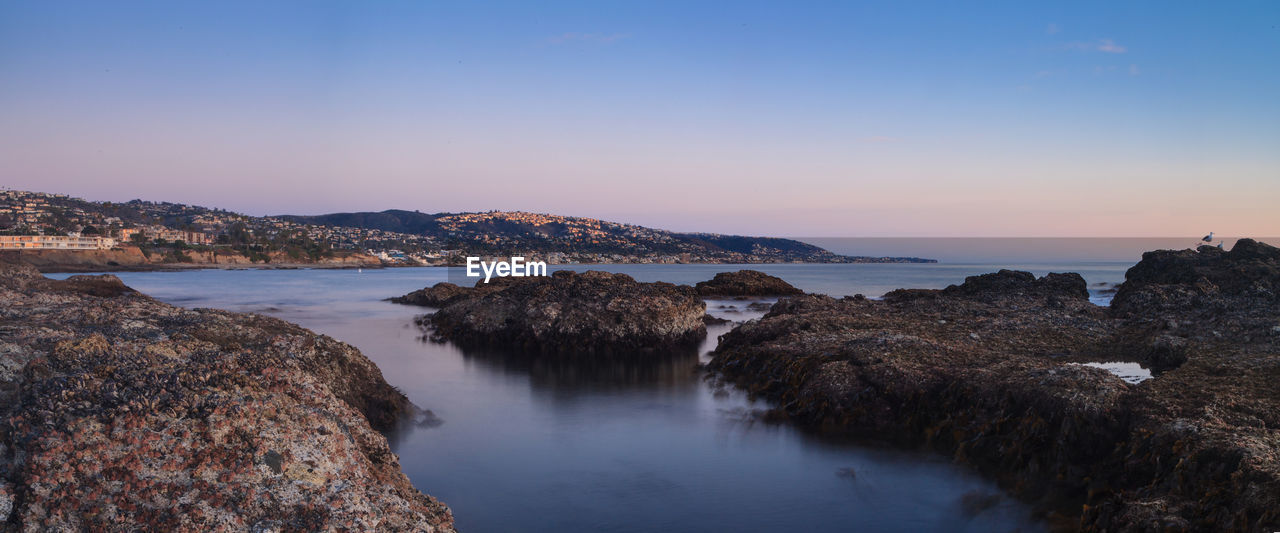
column 883, row 119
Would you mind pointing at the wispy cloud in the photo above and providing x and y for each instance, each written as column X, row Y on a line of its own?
column 1052, row 29
column 1133, row 70
column 1101, row 45
column 1110, row 47
column 598, row 38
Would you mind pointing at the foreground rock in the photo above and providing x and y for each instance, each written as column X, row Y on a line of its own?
column 745, row 283
column 118, row 412
column 983, row 371
column 570, row 313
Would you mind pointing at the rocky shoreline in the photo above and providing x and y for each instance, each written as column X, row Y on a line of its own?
column 132, row 259
column 119, row 412
column 985, row 371
column 592, row 312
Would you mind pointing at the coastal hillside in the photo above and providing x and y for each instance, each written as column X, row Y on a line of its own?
column 394, row 236
column 566, row 238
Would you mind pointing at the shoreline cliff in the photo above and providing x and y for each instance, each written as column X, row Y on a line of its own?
column 132, row 259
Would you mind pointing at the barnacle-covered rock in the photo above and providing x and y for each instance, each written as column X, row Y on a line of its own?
column 122, row 413
column 983, row 371
column 745, row 283
column 570, row 313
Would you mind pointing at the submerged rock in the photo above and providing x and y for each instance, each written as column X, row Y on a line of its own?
column 981, row 371
column 714, row 320
column 745, row 283
column 433, row 296
column 119, row 412
column 567, row 312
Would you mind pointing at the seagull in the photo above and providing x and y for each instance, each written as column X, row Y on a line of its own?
column 1208, row 238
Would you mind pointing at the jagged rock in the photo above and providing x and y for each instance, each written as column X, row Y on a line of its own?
column 745, row 283
column 1006, row 284
column 981, row 371
column 1206, row 279
column 119, row 412
column 591, row 312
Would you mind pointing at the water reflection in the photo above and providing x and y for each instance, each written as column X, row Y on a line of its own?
column 675, row 367
column 584, row 373
column 534, row 444
column 1130, row 372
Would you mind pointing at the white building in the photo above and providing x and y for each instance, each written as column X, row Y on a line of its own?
column 55, row 242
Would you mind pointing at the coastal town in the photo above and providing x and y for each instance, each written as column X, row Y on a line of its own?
column 44, row 221
column 48, row 221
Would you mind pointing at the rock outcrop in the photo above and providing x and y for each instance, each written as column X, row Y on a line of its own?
column 119, row 412
column 434, row 296
column 444, row 292
column 570, row 313
column 983, row 371
column 1208, row 281
column 745, row 283
column 1006, row 285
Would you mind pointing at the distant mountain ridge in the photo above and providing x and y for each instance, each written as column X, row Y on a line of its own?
column 502, row 232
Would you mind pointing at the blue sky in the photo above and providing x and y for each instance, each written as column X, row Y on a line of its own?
column 840, row 119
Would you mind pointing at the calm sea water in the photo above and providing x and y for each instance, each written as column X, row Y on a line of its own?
column 1006, row 250
column 531, row 445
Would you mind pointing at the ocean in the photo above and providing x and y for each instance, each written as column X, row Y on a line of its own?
column 1017, row 250
column 536, row 445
